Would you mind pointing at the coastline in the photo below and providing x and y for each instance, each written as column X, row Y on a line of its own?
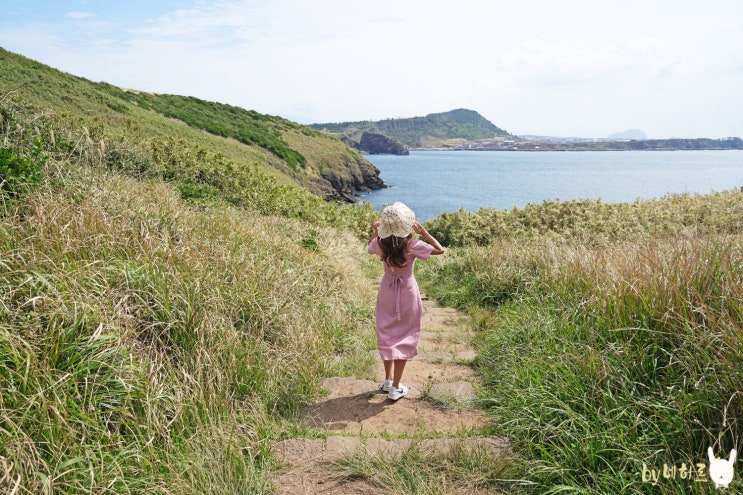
column 701, row 144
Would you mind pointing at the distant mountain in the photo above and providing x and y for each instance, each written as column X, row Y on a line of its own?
column 435, row 129
column 629, row 134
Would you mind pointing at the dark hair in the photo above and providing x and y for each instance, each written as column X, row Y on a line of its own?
column 393, row 250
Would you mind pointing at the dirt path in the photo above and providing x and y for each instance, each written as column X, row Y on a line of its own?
column 357, row 416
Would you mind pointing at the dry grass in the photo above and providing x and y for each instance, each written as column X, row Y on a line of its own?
column 149, row 346
column 600, row 357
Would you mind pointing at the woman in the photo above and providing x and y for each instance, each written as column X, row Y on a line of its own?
column 399, row 306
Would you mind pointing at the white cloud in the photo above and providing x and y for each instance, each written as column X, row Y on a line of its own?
column 79, row 15
column 573, row 67
column 540, row 61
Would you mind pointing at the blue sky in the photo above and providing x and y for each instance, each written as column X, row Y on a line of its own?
column 588, row 68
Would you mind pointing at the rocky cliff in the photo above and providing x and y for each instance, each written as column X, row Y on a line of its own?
column 343, row 184
column 380, row 144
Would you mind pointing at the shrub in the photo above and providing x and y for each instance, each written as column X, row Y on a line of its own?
column 19, row 173
column 594, row 220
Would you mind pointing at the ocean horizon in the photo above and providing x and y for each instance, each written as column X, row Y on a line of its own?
column 434, row 182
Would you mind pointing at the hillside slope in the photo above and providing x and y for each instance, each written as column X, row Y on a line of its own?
column 293, row 152
column 168, row 300
column 435, row 129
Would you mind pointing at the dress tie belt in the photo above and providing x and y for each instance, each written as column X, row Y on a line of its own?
column 397, row 284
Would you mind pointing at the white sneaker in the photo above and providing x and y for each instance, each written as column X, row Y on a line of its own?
column 397, row 393
column 387, row 386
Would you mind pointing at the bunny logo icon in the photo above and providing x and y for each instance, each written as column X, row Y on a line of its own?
column 721, row 470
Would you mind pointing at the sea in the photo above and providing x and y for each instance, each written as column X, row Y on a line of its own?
column 434, row 182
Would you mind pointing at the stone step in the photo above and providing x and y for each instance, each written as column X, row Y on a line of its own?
column 350, row 388
column 359, row 407
column 445, row 356
column 297, row 451
column 451, row 342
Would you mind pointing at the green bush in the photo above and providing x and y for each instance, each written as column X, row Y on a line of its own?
column 19, row 173
column 594, row 220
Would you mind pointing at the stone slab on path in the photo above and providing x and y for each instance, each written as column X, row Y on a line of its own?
column 359, row 407
column 447, row 342
column 308, row 462
column 298, row 451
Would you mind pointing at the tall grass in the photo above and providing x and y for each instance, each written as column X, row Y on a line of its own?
column 605, row 361
column 594, row 221
column 151, row 346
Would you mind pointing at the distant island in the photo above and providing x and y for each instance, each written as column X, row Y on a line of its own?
column 436, row 130
column 629, row 134
column 464, row 129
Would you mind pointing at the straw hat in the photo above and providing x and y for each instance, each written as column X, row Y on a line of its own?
column 397, row 219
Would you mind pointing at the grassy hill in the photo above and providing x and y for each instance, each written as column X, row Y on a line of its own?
column 289, row 152
column 436, row 129
column 168, row 297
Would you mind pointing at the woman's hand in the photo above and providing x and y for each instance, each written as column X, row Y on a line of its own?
column 375, row 226
column 421, row 230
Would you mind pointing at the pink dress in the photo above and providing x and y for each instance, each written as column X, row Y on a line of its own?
column 399, row 307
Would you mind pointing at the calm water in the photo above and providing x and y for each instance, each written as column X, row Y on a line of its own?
column 432, row 182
